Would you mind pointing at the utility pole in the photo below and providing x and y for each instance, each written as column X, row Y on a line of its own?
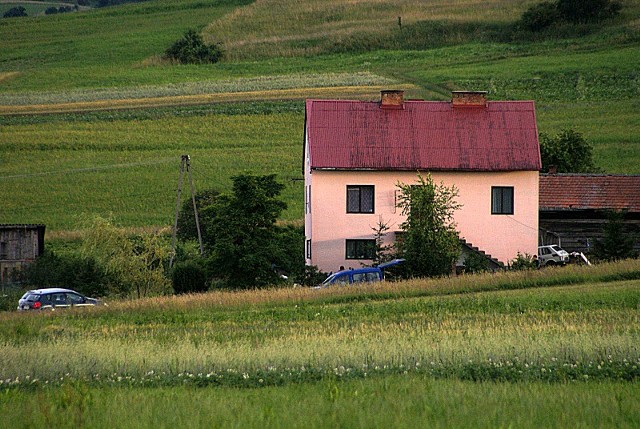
column 185, row 164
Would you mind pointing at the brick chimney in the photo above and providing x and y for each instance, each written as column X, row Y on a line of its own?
column 469, row 98
column 392, row 99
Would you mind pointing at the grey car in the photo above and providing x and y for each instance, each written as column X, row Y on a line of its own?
column 52, row 298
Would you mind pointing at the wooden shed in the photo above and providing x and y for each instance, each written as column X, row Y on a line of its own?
column 574, row 208
column 20, row 244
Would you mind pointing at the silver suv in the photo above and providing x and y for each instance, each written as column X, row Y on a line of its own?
column 51, row 298
column 552, row 255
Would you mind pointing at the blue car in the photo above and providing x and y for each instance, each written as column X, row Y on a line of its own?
column 360, row 275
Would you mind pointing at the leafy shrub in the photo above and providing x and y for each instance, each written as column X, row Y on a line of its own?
column 540, row 16
column 430, row 242
column 15, row 12
column 81, row 274
column 616, row 244
column 523, row 262
column 187, row 229
column 191, row 49
column 568, row 152
column 584, row 11
column 62, row 9
column 311, row 276
column 189, row 276
column 543, row 15
column 475, row 263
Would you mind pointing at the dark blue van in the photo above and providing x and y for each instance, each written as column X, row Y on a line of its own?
column 360, row 275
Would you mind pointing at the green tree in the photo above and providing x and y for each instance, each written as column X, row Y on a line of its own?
column 584, row 11
column 523, row 262
column 430, row 242
column 540, row 16
column 475, row 263
column 383, row 251
column 616, row 243
column 242, row 238
column 186, row 219
column 189, row 276
column 568, row 152
column 191, row 49
column 15, row 12
column 71, row 271
column 135, row 263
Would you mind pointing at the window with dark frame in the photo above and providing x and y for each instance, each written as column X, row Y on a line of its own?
column 360, row 198
column 502, row 200
column 308, row 249
column 360, row 249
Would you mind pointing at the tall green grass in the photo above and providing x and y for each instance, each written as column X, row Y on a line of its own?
column 60, row 172
column 440, row 328
column 57, row 168
column 529, row 349
column 394, row 401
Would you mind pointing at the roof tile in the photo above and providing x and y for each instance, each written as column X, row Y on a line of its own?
column 424, row 135
column 589, row 192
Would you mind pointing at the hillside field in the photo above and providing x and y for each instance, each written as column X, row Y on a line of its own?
column 93, row 121
column 550, row 348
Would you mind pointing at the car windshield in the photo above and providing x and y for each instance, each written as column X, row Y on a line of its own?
column 32, row 297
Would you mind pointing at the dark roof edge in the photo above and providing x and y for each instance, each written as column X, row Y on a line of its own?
column 470, row 170
column 22, row 225
column 588, row 175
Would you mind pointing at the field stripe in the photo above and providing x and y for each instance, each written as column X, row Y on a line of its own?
column 342, row 92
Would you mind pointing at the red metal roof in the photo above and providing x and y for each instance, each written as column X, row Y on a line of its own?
column 423, row 135
column 589, row 192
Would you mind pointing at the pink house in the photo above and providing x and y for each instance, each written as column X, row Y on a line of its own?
column 355, row 153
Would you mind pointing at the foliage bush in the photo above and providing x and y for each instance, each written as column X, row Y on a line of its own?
column 186, row 219
column 475, row 263
column 136, row 263
column 191, row 49
column 62, row 9
column 82, row 274
column 584, row 11
column 430, row 242
column 616, row 244
column 244, row 245
column 189, row 276
column 540, row 16
column 568, row 152
column 15, row 12
column 543, row 15
column 523, row 262
column 310, row 276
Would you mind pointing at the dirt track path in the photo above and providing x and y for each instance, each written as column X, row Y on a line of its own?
column 368, row 92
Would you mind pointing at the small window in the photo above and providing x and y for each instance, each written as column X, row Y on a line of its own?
column 342, row 279
column 74, row 298
column 58, row 298
column 373, row 277
column 308, row 249
column 361, row 249
column 360, row 198
column 502, row 200
column 360, row 277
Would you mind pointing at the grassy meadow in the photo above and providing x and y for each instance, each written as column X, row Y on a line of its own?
column 94, row 121
column 523, row 349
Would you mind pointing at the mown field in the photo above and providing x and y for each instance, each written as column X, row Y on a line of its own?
column 551, row 348
column 94, row 122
